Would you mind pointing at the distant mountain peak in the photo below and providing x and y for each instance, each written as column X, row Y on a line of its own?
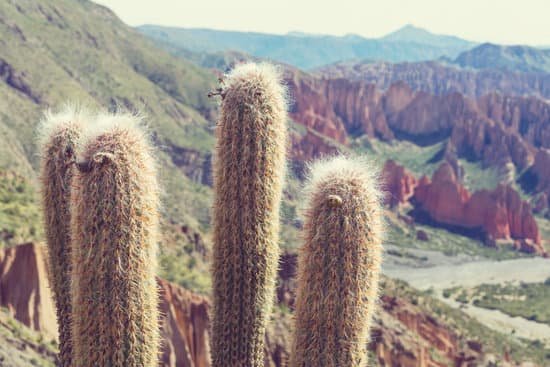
column 408, row 32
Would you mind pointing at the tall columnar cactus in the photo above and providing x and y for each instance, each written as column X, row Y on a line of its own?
column 114, row 209
column 338, row 265
column 248, row 179
column 59, row 135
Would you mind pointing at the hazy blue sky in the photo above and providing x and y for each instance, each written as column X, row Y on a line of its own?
column 500, row 21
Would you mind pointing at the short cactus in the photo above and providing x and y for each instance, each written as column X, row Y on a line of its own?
column 338, row 265
column 114, row 210
column 58, row 139
column 248, row 179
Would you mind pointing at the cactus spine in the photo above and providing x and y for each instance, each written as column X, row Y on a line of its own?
column 59, row 136
column 248, row 179
column 338, row 265
column 114, row 207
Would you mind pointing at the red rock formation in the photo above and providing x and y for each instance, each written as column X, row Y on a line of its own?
column 185, row 327
column 24, row 288
column 526, row 115
column 430, row 334
column 442, row 197
column 541, row 168
column 493, row 129
column 398, row 184
column 311, row 108
column 500, row 213
column 503, row 214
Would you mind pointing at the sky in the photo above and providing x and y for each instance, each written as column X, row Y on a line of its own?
column 497, row 21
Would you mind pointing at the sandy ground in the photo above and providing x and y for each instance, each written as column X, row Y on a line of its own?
column 439, row 272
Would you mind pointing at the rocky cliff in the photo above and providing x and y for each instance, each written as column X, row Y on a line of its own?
column 498, row 214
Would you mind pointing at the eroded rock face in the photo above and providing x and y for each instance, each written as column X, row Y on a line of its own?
column 498, row 213
column 437, row 78
column 442, row 197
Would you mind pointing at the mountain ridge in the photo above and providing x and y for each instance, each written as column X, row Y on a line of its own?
column 321, row 49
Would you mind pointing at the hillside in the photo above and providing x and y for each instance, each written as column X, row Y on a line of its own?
column 63, row 50
column 309, row 51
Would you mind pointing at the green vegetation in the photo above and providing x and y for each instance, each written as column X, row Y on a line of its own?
column 23, row 347
column 419, row 160
column 58, row 51
column 19, row 215
column 477, row 177
column 527, row 300
column 467, row 327
column 544, row 228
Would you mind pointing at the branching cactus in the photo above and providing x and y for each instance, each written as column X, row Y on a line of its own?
column 114, row 209
column 58, row 139
column 338, row 265
column 248, row 178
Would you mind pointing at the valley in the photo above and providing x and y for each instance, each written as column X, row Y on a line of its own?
column 463, row 149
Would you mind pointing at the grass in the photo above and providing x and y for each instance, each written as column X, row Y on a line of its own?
column 20, row 218
column 419, row 160
column 527, row 300
column 21, row 347
column 476, row 177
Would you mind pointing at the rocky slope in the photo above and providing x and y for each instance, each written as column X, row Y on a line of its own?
column 404, row 334
column 54, row 52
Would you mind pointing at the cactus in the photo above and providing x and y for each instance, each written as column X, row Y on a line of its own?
column 338, row 265
column 114, row 212
column 58, row 138
column 248, row 179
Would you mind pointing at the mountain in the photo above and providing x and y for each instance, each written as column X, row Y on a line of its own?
column 308, row 51
column 509, row 58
